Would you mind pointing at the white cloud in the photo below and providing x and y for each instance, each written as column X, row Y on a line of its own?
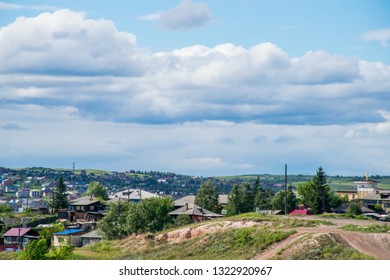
column 64, row 42
column 186, row 15
column 380, row 35
column 11, row 6
column 203, row 110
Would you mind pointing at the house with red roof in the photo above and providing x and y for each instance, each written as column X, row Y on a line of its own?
column 301, row 212
column 20, row 236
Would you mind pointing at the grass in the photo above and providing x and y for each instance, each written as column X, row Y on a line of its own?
column 324, row 247
column 239, row 243
column 369, row 229
column 345, row 216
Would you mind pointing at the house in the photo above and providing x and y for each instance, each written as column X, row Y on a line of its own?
column 35, row 194
column 84, row 208
column 301, row 212
column 91, row 238
column 135, row 195
column 20, row 236
column 7, row 183
column 345, row 207
column 67, row 237
column 365, row 187
column 190, row 199
column 47, row 192
column 196, row 213
column 271, row 212
column 378, row 197
column 23, row 193
column 349, row 194
column 11, row 189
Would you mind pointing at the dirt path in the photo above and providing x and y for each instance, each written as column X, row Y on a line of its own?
column 376, row 245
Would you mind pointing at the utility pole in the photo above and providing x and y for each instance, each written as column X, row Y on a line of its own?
column 285, row 189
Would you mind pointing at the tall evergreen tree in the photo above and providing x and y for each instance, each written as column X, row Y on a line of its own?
column 234, row 204
column 60, row 200
column 316, row 194
column 207, row 197
column 322, row 189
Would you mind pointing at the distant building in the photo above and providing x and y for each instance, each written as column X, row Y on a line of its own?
column 23, row 193
column 35, row 194
column 196, row 213
column 135, row 195
column 365, row 187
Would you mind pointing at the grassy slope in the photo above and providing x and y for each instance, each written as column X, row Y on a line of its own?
column 238, row 243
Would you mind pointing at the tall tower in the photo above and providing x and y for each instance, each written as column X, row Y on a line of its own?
column 73, row 167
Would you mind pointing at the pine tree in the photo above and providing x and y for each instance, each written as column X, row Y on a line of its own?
column 207, row 197
column 323, row 191
column 60, row 200
column 234, row 204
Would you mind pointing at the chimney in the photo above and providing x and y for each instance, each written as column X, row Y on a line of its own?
column 186, row 206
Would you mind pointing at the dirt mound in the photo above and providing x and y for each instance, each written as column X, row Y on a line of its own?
column 180, row 235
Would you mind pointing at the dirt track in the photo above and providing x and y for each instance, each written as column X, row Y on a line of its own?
column 376, row 245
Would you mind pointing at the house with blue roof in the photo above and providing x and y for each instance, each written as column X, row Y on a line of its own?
column 70, row 236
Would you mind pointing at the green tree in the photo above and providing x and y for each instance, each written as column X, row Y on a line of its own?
column 64, row 252
column 46, row 233
column 35, row 250
column 322, row 189
column 354, row 209
column 114, row 223
column 97, row 190
column 5, row 208
column 234, row 203
column 207, row 197
column 60, row 199
column 316, row 194
column 247, row 198
column 263, row 199
column 150, row 215
column 278, row 201
column 182, row 220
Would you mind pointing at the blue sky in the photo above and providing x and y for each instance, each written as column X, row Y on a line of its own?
column 196, row 87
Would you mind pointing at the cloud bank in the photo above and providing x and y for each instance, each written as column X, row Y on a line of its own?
column 77, row 89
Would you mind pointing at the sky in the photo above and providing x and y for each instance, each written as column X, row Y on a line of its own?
column 202, row 88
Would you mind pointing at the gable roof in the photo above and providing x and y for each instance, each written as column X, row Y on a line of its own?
column 190, row 199
column 344, row 208
column 83, row 201
column 300, row 212
column 17, row 232
column 132, row 194
column 92, row 234
column 193, row 209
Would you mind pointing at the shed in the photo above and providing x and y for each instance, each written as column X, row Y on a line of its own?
column 91, row 238
column 67, row 237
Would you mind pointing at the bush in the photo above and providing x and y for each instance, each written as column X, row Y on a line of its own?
column 354, row 209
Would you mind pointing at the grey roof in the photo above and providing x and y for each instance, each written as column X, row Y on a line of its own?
column 132, row 194
column 83, row 201
column 92, row 234
column 193, row 209
column 344, row 208
column 190, row 199
column 372, row 196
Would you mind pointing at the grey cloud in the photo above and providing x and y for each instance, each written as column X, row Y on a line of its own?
column 186, row 15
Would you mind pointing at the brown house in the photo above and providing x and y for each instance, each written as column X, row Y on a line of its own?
column 84, row 208
column 196, row 213
column 20, row 236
